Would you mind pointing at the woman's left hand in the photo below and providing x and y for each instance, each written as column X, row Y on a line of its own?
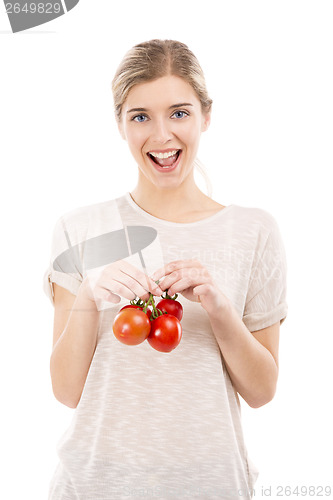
column 190, row 278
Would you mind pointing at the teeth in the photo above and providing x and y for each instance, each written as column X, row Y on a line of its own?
column 164, row 155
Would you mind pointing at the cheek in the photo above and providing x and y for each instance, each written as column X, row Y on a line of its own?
column 191, row 134
column 136, row 141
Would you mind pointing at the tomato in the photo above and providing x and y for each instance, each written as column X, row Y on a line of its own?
column 131, row 326
column 138, row 307
column 165, row 333
column 171, row 306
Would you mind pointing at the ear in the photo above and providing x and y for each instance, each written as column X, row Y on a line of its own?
column 206, row 121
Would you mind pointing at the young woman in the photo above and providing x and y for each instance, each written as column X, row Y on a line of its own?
column 148, row 423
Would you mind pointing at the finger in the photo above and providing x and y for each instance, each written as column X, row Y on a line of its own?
column 101, row 296
column 125, row 286
column 107, row 295
column 114, row 289
column 143, row 279
column 131, row 283
column 203, row 289
column 196, row 274
column 184, row 283
column 175, row 265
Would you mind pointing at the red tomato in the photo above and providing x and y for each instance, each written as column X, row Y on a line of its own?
column 171, row 306
column 165, row 333
column 131, row 326
column 138, row 307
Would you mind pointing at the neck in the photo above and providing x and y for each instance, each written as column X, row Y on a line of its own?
column 172, row 203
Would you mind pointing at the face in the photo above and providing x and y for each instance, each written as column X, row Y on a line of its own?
column 162, row 123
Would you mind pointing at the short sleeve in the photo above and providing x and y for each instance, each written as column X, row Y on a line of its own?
column 266, row 297
column 64, row 267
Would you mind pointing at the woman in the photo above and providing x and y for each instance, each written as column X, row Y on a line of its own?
column 148, row 423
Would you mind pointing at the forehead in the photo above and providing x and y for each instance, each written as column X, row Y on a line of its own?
column 161, row 92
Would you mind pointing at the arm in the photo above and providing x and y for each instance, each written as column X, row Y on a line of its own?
column 251, row 358
column 74, row 342
column 76, row 324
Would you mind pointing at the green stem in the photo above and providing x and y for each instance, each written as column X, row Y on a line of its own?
column 147, row 302
column 137, row 302
column 167, row 296
column 155, row 313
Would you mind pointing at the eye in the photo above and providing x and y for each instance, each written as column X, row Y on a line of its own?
column 182, row 113
column 138, row 116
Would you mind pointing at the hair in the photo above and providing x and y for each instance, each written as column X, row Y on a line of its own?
column 154, row 59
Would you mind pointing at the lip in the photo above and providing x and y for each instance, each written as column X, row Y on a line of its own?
column 165, row 169
column 163, row 150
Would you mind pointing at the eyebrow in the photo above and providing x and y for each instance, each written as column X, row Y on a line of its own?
column 179, row 105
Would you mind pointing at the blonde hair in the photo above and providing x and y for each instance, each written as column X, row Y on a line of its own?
column 154, row 59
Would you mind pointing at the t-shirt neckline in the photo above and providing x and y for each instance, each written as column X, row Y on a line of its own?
column 140, row 210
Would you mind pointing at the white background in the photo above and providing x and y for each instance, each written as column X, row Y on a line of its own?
column 268, row 68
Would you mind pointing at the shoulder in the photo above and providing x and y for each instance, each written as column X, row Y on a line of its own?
column 254, row 219
column 88, row 221
column 261, row 233
column 86, row 211
column 92, row 214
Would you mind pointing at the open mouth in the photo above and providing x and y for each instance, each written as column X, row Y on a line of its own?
column 165, row 162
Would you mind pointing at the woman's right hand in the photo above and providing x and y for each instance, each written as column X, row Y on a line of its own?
column 118, row 279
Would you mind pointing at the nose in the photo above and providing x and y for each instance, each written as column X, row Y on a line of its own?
column 161, row 132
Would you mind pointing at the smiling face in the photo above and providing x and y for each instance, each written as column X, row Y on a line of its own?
column 162, row 123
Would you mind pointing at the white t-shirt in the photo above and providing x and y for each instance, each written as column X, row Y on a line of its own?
column 164, row 425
